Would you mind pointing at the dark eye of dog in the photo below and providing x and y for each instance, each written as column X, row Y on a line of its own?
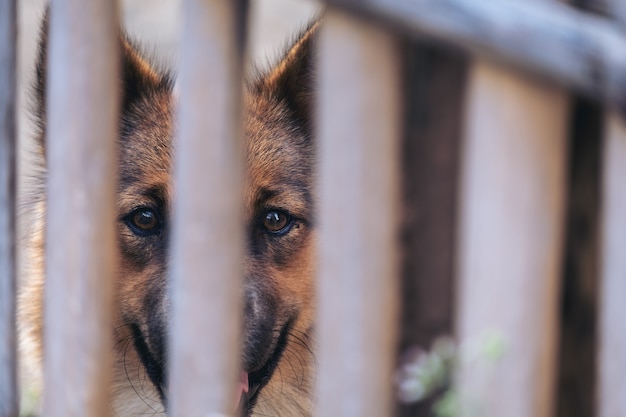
column 277, row 222
column 143, row 221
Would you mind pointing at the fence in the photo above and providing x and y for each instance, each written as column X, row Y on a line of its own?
column 524, row 182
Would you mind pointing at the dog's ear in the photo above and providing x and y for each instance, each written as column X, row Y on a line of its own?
column 138, row 77
column 292, row 79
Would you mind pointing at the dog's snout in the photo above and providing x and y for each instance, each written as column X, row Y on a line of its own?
column 259, row 325
column 260, row 308
column 253, row 305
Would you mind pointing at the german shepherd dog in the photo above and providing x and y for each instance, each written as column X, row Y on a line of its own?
column 277, row 359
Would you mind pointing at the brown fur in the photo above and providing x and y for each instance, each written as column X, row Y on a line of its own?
column 279, row 268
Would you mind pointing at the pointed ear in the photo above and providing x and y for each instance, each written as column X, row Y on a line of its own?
column 292, row 79
column 138, row 77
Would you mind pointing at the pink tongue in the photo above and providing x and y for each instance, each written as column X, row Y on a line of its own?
column 242, row 386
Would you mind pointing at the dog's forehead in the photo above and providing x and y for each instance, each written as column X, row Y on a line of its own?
column 278, row 151
column 146, row 137
column 270, row 131
column 278, row 154
column 274, row 139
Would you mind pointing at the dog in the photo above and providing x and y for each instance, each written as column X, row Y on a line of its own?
column 278, row 358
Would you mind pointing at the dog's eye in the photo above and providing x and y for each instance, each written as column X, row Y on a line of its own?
column 143, row 220
column 276, row 221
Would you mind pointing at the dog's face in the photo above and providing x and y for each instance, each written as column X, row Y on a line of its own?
column 279, row 224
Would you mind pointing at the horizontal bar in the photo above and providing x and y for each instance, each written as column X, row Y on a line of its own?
column 82, row 132
column 207, row 241
column 8, row 149
column 511, row 225
column 574, row 48
column 617, row 9
column 359, row 111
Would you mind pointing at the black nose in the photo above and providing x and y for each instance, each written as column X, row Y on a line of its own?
column 260, row 327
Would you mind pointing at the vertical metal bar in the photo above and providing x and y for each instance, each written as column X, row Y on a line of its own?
column 511, row 224
column 82, row 129
column 8, row 40
column 359, row 116
column 208, row 217
column 612, row 328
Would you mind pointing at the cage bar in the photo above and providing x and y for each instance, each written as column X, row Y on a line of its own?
column 612, row 327
column 554, row 40
column 359, row 113
column 8, row 149
column 511, row 223
column 617, row 9
column 207, row 213
column 82, row 130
